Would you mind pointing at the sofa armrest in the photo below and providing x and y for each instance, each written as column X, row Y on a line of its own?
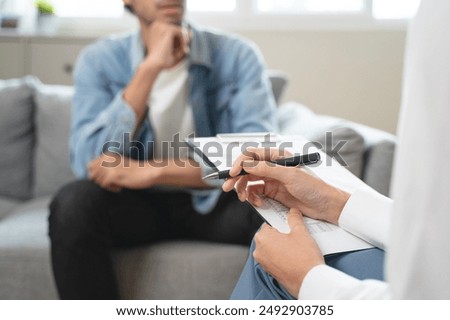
column 378, row 157
column 376, row 153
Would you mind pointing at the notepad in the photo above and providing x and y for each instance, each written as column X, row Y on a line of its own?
column 329, row 237
column 221, row 151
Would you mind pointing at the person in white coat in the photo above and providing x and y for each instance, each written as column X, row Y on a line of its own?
column 413, row 228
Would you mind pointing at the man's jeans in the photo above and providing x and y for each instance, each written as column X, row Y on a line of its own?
column 88, row 222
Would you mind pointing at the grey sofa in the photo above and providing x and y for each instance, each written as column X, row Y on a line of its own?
column 34, row 163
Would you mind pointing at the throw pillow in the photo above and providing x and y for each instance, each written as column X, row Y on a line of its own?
column 378, row 170
column 345, row 145
column 328, row 132
column 16, row 137
column 52, row 158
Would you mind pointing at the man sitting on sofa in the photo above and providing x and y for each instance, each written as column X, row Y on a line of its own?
column 168, row 80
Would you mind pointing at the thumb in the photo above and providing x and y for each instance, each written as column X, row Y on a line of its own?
column 267, row 170
column 295, row 219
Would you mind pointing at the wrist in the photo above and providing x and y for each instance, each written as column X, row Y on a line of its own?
column 154, row 173
column 152, row 65
column 337, row 202
column 137, row 92
column 302, row 276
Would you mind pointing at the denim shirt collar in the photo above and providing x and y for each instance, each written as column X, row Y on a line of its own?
column 199, row 54
column 137, row 50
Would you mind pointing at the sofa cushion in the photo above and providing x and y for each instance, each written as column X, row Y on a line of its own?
column 16, row 137
column 180, row 270
column 6, row 205
column 167, row 270
column 25, row 271
column 52, row 163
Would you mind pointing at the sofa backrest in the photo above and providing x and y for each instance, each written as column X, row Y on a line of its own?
column 367, row 152
column 52, row 130
column 35, row 130
column 34, row 135
column 16, row 138
column 34, row 138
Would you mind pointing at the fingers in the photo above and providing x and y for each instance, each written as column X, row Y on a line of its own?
column 261, row 154
column 263, row 232
column 228, row 185
column 180, row 47
column 266, row 169
column 167, row 43
column 114, row 188
column 239, row 182
column 187, row 35
column 102, row 178
column 241, row 188
column 100, row 170
column 262, row 237
column 94, row 168
column 295, row 220
column 254, row 194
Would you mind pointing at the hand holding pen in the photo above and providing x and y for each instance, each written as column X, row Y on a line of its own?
column 298, row 160
column 292, row 187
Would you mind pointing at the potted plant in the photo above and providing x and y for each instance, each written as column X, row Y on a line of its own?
column 46, row 22
column 44, row 7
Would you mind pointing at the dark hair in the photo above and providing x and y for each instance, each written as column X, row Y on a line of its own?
column 129, row 8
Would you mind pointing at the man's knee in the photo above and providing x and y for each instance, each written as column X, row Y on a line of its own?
column 74, row 208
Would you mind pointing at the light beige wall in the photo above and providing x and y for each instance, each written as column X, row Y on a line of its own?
column 351, row 74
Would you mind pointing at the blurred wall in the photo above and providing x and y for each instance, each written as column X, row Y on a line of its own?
column 356, row 75
column 351, row 73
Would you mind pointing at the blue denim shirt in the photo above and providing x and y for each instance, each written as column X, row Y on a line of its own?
column 228, row 90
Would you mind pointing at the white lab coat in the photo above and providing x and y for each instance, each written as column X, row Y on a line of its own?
column 418, row 222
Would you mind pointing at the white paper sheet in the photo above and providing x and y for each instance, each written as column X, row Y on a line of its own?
column 330, row 238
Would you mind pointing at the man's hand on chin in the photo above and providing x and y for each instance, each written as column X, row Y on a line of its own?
column 114, row 172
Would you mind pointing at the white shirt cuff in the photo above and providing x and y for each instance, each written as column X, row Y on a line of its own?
column 319, row 281
column 325, row 283
column 367, row 216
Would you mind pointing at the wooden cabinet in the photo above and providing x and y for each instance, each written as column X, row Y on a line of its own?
column 51, row 59
column 53, row 62
column 12, row 59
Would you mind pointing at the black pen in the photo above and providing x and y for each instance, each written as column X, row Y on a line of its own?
column 303, row 160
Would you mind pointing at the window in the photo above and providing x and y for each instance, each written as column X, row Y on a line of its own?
column 114, row 8
column 379, row 9
column 394, row 9
column 211, row 6
column 310, row 6
column 88, row 8
column 285, row 14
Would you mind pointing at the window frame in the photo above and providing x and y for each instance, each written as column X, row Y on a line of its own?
column 245, row 17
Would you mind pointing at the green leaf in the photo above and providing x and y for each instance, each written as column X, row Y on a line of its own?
column 44, row 7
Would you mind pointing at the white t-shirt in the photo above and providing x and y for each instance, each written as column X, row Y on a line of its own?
column 418, row 242
column 169, row 109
